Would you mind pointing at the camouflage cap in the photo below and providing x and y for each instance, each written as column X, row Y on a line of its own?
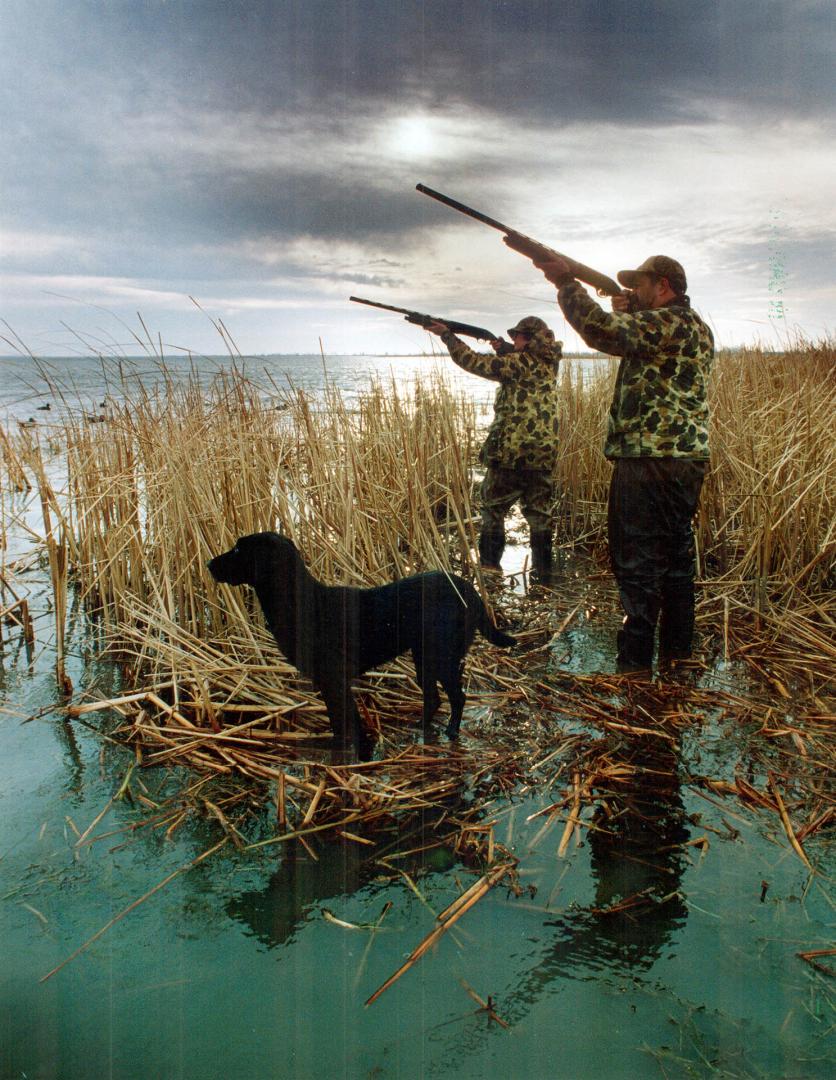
column 529, row 325
column 662, row 266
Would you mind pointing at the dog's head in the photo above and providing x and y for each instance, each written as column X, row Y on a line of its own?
column 264, row 556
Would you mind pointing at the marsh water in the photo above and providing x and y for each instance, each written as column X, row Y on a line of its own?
column 258, row 963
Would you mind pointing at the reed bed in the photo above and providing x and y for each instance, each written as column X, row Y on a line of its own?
column 381, row 487
column 768, row 508
column 367, row 494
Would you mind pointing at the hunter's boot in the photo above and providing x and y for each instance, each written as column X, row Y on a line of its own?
column 635, row 638
column 676, row 622
column 635, row 654
column 542, row 558
column 491, row 546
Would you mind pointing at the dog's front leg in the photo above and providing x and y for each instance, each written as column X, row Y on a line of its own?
column 348, row 730
column 432, row 703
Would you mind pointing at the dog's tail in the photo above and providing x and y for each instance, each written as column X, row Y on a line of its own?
column 494, row 635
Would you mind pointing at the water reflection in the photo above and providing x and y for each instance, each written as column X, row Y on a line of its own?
column 73, row 757
column 299, row 886
column 306, row 879
column 637, row 859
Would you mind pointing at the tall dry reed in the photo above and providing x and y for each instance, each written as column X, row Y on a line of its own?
column 172, row 477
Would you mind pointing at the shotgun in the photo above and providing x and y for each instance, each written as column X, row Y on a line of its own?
column 604, row 285
column 420, row 319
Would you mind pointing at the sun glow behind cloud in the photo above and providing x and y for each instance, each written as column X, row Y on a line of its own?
column 412, row 138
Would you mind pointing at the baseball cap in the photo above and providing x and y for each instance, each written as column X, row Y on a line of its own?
column 662, row 266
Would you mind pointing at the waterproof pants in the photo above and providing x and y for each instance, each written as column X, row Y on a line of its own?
column 533, row 488
column 651, row 505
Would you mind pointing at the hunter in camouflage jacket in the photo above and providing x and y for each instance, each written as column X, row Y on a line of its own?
column 523, row 434
column 660, row 405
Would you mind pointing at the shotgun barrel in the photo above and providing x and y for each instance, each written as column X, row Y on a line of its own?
column 418, row 318
column 605, row 286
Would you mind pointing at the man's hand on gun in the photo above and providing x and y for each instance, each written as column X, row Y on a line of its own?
column 438, row 328
column 556, row 269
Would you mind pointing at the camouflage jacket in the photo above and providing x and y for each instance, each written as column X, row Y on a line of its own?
column 524, row 430
column 660, row 404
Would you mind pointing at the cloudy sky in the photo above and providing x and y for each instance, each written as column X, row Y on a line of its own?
column 262, row 157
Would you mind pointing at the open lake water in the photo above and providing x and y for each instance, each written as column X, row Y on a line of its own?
column 237, row 968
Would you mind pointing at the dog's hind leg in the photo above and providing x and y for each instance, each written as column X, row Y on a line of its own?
column 451, row 679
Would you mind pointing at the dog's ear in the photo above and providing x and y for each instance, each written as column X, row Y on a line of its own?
column 281, row 540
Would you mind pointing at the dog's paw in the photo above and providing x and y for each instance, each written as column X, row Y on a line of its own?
column 366, row 748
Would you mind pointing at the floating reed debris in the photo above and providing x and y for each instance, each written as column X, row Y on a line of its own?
column 485, row 1006
column 126, row 911
column 812, row 956
column 451, row 914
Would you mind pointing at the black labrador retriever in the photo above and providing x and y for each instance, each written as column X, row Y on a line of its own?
column 333, row 633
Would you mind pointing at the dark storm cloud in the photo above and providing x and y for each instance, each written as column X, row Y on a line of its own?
column 141, row 221
column 74, row 75
column 590, row 59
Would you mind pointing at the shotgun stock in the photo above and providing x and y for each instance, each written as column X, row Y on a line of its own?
column 533, row 249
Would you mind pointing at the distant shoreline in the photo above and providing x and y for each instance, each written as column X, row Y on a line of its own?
column 179, row 355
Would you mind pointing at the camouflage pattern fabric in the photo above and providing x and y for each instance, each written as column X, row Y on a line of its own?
column 660, row 406
column 534, row 488
column 524, row 429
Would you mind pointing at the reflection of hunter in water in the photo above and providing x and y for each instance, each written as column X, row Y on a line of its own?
column 637, row 861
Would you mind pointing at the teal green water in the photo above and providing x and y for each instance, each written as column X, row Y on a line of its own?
column 234, row 969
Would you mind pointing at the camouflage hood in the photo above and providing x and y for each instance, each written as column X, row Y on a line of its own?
column 544, row 349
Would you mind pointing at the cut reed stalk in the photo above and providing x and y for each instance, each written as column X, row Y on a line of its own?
column 447, row 918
